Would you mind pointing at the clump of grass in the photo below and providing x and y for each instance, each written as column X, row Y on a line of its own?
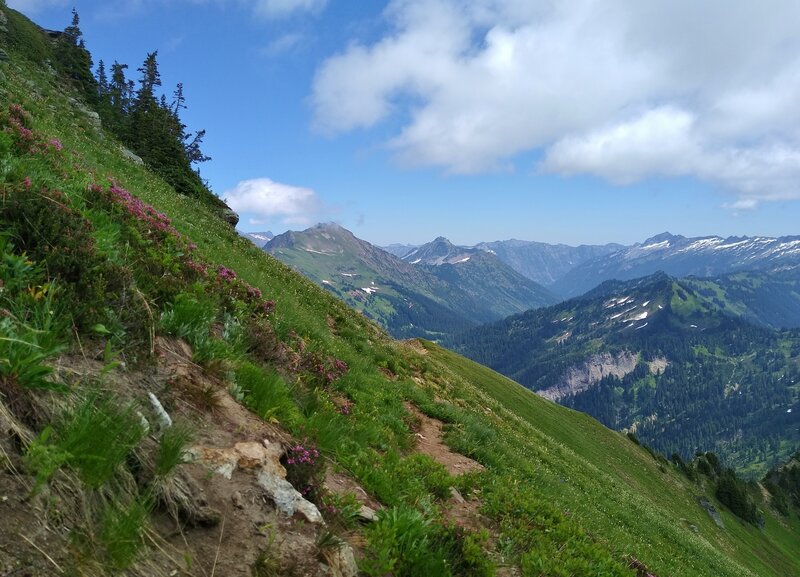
column 94, row 438
column 121, row 532
column 171, row 449
column 266, row 393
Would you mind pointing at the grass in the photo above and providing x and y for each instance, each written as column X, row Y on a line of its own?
column 172, row 448
column 564, row 494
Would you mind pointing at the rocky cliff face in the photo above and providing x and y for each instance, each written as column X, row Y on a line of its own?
column 581, row 378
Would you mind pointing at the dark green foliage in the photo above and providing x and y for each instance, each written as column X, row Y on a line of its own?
column 74, row 61
column 122, row 532
column 171, row 448
column 266, row 393
column 733, row 493
column 783, row 483
column 93, row 438
column 151, row 127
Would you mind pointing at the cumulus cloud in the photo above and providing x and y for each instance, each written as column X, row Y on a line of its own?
column 264, row 201
column 621, row 90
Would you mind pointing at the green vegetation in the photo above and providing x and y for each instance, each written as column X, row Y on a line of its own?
column 133, row 264
column 697, row 379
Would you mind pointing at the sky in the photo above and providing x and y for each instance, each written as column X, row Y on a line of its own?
column 577, row 122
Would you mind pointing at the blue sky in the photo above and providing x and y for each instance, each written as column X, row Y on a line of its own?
column 577, row 122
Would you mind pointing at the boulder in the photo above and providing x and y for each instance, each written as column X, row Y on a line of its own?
column 230, row 216
column 130, row 155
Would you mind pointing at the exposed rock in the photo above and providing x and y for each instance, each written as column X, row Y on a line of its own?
column 286, row 498
column 94, row 118
column 164, row 420
column 341, row 561
column 264, row 460
column 658, row 365
column 581, row 378
column 130, row 155
column 456, row 496
column 229, row 216
column 712, row 511
column 367, row 514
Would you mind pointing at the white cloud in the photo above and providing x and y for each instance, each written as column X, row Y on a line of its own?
column 265, row 201
column 622, row 90
column 282, row 44
column 284, row 8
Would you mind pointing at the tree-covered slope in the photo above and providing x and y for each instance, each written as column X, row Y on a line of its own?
column 655, row 357
column 165, row 386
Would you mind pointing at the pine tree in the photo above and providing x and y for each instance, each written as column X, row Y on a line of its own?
column 74, row 60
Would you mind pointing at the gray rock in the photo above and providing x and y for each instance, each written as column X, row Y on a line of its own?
column 342, row 561
column 94, row 118
column 3, row 18
column 367, row 514
column 229, row 216
column 712, row 511
column 456, row 496
column 133, row 157
column 286, row 498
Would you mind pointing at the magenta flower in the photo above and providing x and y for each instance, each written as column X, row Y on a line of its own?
column 56, row 143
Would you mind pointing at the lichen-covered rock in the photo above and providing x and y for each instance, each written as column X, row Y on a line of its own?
column 230, row 216
column 130, row 155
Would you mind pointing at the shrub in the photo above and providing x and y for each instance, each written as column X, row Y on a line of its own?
column 305, row 470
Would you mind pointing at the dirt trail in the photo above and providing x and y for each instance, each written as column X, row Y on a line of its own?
column 430, row 442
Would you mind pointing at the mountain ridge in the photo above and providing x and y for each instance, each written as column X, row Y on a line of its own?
column 409, row 298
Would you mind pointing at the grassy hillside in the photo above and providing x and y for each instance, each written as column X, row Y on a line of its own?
column 116, row 290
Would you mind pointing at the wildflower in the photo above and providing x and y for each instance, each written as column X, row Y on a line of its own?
column 56, row 143
column 225, row 273
column 27, row 182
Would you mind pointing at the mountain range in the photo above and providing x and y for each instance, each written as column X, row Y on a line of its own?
column 409, row 299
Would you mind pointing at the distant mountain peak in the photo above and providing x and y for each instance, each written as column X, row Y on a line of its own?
column 659, row 238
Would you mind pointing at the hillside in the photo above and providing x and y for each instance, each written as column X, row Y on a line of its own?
column 174, row 401
column 408, row 298
column 769, row 297
column 655, row 357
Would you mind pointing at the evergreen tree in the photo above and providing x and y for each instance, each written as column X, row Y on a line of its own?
column 74, row 61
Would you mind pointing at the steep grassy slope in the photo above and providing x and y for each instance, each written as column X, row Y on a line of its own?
column 559, row 495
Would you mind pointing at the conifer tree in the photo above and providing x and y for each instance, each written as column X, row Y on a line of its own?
column 74, row 60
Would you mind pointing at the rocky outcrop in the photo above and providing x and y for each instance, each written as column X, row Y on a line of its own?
column 581, row 378
column 264, row 460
